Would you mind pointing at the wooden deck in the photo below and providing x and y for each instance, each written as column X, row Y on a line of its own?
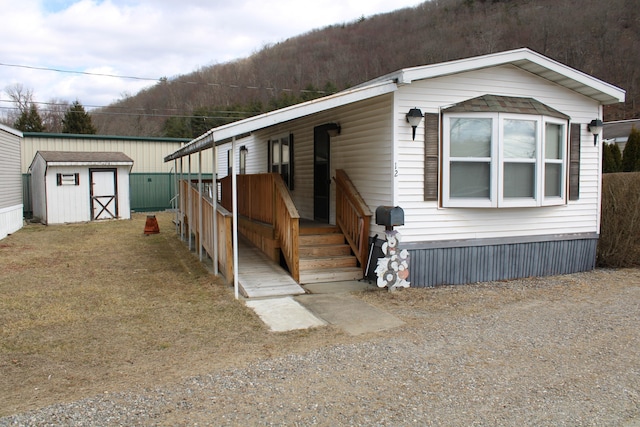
column 259, row 277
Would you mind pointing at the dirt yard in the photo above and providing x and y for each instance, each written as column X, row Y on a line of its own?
column 99, row 313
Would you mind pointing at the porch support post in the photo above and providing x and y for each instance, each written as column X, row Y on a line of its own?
column 200, row 245
column 234, row 205
column 190, row 208
column 214, row 195
column 176, row 181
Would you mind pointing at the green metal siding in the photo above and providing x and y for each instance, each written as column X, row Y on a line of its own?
column 153, row 191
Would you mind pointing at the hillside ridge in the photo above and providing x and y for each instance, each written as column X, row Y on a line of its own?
column 340, row 56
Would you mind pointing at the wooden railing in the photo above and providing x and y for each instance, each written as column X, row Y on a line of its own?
column 264, row 198
column 352, row 216
column 189, row 207
column 287, row 226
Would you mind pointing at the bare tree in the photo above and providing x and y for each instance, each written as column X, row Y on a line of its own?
column 53, row 114
column 21, row 98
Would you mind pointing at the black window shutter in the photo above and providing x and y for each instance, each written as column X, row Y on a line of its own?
column 269, row 156
column 77, row 179
column 574, row 161
column 431, row 133
column 59, row 179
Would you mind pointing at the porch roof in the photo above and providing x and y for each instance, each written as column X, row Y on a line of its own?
column 523, row 58
column 222, row 134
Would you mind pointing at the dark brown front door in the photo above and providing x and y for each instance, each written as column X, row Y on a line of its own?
column 321, row 174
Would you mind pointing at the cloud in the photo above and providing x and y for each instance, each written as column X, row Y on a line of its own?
column 148, row 38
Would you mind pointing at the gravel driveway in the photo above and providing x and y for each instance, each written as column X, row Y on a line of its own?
column 559, row 351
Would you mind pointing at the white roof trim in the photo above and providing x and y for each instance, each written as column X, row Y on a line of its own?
column 219, row 134
column 89, row 163
column 16, row 132
column 528, row 60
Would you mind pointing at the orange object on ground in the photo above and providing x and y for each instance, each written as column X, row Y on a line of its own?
column 151, row 226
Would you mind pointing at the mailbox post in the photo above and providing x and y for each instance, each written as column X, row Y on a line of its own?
column 393, row 268
column 389, row 216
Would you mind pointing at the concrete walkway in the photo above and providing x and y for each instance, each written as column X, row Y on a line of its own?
column 325, row 303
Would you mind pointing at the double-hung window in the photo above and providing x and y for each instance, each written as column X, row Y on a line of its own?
column 280, row 158
column 503, row 159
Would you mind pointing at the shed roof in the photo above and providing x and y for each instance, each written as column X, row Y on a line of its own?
column 523, row 58
column 85, row 157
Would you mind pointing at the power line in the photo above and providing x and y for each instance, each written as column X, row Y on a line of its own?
column 164, row 79
column 137, row 111
column 57, row 70
column 156, row 115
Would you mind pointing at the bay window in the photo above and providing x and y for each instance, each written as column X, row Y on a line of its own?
column 503, row 159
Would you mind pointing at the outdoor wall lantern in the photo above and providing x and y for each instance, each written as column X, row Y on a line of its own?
column 414, row 117
column 595, row 127
column 333, row 129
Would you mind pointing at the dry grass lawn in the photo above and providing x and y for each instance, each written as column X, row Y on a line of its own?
column 88, row 308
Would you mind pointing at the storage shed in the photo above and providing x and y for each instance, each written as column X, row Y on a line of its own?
column 72, row 186
column 10, row 181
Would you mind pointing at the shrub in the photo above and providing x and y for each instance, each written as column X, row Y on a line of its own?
column 619, row 244
column 611, row 158
column 631, row 153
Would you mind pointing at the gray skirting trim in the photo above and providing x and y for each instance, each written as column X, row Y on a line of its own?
column 469, row 264
column 496, row 241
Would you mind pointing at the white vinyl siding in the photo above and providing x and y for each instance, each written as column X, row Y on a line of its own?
column 427, row 221
column 10, row 175
column 362, row 149
column 11, row 204
column 67, row 203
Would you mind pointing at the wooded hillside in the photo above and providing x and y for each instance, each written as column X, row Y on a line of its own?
column 600, row 39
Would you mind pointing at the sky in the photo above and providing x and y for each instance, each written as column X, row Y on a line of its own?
column 89, row 41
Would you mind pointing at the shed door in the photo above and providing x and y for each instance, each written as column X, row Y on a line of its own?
column 104, row 194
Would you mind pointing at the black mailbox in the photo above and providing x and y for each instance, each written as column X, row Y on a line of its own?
column 389, row 216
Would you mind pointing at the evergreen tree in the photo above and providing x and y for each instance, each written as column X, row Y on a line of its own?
column 631, row 153
column 177, row 127
column 612, row 158
column 77, row 120
column 30, row 120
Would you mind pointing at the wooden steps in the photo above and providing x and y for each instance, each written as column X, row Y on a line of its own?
column 325, row 256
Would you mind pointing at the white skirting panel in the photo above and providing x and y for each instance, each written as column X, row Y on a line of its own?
column 10, row 220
